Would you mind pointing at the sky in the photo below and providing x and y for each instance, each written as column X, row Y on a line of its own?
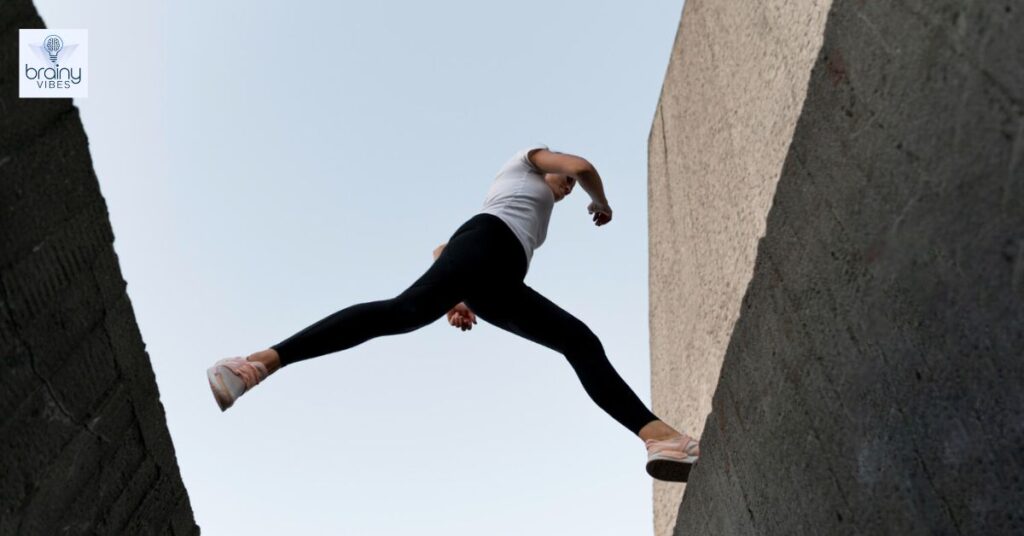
column 266, row 164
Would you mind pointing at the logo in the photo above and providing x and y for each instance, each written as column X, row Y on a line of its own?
column 53, row 64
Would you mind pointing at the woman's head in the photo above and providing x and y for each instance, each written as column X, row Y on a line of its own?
column 561, row 185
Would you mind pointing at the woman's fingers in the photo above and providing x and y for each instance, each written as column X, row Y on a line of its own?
column 461, row 321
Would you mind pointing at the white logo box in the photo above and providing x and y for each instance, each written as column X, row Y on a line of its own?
column 53, row 63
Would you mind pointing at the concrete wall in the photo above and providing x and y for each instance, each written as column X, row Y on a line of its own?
column 871, row 383
column 733, row 92
column 84, row 447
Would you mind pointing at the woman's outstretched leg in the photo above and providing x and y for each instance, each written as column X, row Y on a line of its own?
column 434, row 293
column 475, row 254
column 426, row 300
column 523, row 311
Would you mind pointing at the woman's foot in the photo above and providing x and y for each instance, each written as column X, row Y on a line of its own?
column 671, row 459
column 232, row 377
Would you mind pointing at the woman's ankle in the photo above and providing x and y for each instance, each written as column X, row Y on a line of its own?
column 658, row 431
column 269, row 358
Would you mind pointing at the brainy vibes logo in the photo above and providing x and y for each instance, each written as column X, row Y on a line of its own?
column 53, row 63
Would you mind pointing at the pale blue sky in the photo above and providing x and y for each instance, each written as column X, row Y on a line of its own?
column 268, row 163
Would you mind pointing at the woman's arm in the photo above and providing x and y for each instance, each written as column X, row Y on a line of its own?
column 583, row 171
column 577, row 167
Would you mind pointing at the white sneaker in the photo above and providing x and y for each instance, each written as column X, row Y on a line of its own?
column 232, row 377
column 671, row 459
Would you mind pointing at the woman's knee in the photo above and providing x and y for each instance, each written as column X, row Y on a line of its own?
column 579, row 342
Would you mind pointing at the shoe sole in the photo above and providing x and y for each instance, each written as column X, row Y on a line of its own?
column 670, row 469
column 218, row 388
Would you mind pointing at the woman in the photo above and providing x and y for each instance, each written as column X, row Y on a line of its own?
column 479, row 272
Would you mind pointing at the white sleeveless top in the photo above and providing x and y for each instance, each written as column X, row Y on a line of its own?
column 522, row 199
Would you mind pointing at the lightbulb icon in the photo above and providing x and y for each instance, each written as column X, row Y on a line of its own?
column 52, row 44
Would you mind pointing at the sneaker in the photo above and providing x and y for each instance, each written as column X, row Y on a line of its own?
column 232, row 377
column 672, row 459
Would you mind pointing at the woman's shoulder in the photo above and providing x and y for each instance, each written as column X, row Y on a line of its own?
column 520, row 161
column 527, row 152
column 521, row 158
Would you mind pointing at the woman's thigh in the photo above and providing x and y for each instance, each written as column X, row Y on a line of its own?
column 521, row 310
column 466, row 264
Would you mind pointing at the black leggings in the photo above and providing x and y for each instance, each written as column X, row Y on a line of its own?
column 483, row 265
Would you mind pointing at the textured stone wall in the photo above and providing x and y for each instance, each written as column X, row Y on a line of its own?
column 872, row 381
column 732, row 94
column 84, row 446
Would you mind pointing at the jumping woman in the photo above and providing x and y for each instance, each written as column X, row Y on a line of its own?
column 479, row 273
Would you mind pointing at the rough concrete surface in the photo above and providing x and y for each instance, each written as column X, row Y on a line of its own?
column 732, row 94
column 872, row 381
column 84, row 446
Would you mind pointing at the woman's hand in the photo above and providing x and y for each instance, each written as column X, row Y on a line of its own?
column 461, row 317
column 601, row 211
